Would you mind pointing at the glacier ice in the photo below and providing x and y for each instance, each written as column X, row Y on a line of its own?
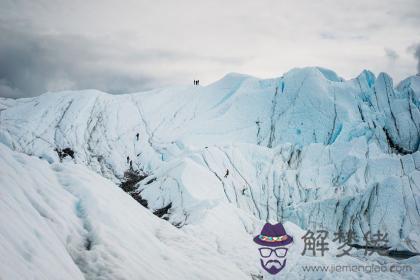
column 309, row 148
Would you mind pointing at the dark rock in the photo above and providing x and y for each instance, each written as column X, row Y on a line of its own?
column 161, row 212
column 150, row 181
column 131, row 178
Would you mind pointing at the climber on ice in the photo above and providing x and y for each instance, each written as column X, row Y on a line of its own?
column 227, row 173
column 137, row 135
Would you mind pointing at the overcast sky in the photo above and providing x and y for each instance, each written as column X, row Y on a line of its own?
column 126, row 46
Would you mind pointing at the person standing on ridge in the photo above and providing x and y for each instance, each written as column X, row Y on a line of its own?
column 137, row 135
column 227, row 173
column 128, row 159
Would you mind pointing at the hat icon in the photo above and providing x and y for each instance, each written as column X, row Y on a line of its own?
column 273, row 236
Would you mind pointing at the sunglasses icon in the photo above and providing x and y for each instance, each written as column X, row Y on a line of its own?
column 266, row 252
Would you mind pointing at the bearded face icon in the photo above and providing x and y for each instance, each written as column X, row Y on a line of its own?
column 273, row 241
column 273, row 260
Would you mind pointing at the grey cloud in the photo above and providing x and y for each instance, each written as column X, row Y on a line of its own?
column 8, row 91
column 417, row 56
column 415, row 50
column 176, row 56
column 333, row 36
column 328, row 36
column 32, row 64
column 126, row 46
column 391, row 54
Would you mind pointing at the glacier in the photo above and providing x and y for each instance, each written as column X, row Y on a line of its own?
column 309, row 149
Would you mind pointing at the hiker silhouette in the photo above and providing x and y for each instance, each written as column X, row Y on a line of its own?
column 137, row 135
column 227, row 173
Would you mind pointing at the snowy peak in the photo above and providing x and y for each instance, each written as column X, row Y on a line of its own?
column 305, row 106
column 330, row 75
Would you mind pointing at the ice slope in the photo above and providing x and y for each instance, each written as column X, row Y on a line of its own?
column 308, row 147
column 62, row 221
column 338, row 187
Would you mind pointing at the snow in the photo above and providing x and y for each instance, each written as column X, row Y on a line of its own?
column 63, row 221
column 309, row 149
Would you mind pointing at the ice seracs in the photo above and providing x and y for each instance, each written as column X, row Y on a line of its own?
column 308, row 147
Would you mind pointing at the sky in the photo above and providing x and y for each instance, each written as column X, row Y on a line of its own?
column 129, row 46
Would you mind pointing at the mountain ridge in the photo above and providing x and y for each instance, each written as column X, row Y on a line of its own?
column 307, row 140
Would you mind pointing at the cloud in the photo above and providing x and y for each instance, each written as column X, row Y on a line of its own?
column 391, row 54
column 126, row 46
column 10, row 92
column 415, row 50
column 31, row 64
column 328, row 36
